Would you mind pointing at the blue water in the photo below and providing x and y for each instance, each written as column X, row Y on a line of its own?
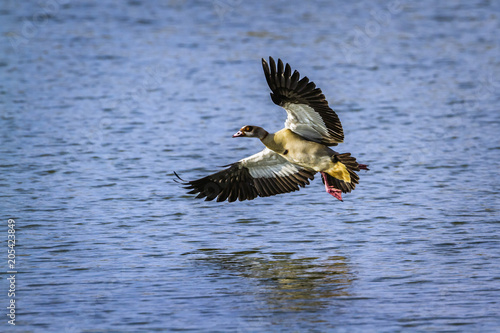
column 101, row 101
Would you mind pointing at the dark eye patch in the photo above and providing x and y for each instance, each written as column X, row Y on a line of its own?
column 249, row 128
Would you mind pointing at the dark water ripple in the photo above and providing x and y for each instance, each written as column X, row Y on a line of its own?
column 101, row 102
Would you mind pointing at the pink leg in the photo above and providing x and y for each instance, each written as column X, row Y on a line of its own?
column 330, row 189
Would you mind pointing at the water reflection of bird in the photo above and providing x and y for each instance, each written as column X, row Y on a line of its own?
column 290, row 283
column 292, row 155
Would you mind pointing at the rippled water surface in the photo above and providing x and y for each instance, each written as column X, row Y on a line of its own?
column 101, row 101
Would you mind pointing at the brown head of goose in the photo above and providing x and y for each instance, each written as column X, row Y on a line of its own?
column 292, row 155
column 252, row 132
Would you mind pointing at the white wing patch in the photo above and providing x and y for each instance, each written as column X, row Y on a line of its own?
column 303, row 120
column 268, row 164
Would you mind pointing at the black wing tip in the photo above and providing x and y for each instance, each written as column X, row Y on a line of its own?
column 265, row 65
column 272, row 61
column 179, row 180
column 229, row 185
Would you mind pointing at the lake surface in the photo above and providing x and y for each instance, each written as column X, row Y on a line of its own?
column 101, row 101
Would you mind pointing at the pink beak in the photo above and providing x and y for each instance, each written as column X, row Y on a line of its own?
column 239, row 133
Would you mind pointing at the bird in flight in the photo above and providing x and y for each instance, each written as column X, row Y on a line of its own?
column 293, row 155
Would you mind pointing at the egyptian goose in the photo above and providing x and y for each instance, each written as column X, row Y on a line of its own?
column 292, row 155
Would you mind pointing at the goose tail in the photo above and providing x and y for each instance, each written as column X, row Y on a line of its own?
column 352, row 167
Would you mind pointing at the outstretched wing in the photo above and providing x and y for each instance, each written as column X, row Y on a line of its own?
column 263, row 174
column 308, row 112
